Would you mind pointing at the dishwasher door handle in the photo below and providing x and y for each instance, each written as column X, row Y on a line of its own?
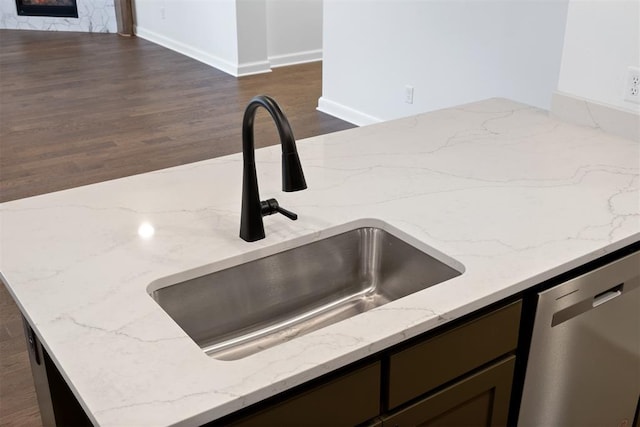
column 607, row 295
column 585, row 305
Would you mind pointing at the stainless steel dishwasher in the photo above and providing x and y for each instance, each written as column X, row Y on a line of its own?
column 584, row 362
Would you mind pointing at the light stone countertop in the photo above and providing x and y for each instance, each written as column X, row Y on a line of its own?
column 498, row 187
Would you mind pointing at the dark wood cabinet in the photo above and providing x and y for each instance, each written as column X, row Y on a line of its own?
column 348, row 400
column 481, row 399
column 435, row 361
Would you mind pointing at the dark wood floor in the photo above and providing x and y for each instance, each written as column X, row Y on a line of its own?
column 78, row 108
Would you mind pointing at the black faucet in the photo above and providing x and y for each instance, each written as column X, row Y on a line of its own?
column 251, row 225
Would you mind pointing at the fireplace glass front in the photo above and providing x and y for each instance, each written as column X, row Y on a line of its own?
column 58, row 8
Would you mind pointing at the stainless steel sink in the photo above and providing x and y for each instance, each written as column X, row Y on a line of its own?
column 244, row 309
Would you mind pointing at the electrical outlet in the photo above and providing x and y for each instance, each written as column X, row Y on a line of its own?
column 632, row 85
column 408, row 94
column 163, row 14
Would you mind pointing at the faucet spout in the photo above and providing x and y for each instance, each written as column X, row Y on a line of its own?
column 251, row 224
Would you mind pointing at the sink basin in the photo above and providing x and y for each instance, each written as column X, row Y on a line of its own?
column 239, row 311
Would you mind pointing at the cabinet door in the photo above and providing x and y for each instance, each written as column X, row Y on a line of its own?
column 346, row 401
column 423, row 367
column 479, row 400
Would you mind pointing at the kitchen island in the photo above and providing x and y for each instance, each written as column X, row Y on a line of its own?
column 500, row 189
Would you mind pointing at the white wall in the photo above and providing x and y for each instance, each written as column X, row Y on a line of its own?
column 239, row 37
column 602, row 40
column 451, row 52
column 294, row 31
column 94, row 16
column 202, row 29
column 252, row 43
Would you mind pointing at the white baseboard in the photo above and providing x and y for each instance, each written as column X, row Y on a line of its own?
column 296, row 58
column 585, row 112
column 236, row 70
column 345, row 113
column 197, row 54
column 250, row 68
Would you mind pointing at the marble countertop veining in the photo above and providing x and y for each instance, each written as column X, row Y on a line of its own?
column 513, row 195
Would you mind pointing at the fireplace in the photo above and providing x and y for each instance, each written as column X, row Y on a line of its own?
column 60, row 8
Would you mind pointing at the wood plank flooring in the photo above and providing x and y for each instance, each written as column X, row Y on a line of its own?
column 78, row 108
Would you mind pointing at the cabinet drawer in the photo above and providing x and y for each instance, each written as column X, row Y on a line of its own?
column 345, row 401
column 480, row 400
column 425, row 366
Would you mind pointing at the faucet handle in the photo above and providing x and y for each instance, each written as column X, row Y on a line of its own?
column 291, row 215
column 271, row 206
